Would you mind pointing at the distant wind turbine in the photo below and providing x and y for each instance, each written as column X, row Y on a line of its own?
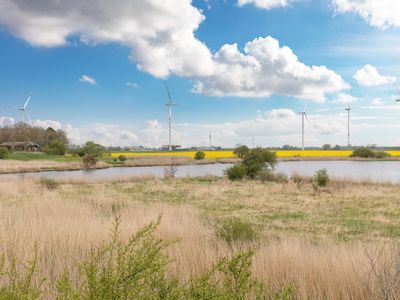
column 170, row 104
column 303, row 116
column 348, row 125
column 398, row 91
column 24, row 110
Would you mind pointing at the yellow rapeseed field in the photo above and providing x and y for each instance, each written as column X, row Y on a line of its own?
column 229, row 154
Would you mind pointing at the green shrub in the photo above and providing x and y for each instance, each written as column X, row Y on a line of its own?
column 363, row 152
column 259, row 162
column 235, row 229
column 321, row 178
column 199, row 155
column 89, row 161
column 381, row 154
column 4, row 153
column 56, row 148
column 236, row 172
column 241, row 151
column 122, row 158
column 49, row 183
column 17, row 281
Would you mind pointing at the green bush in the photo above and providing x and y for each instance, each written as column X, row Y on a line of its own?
column 258, row 162
column 122, row 158
column 236, row 172
column 89, row 161
column 4, row 153
column 235, row 229
column 381, row 154
column 56, row 148
column 241, row 151
column 49, row 183
column 321, row 178
column 199, row 155
column 363, row 152
column 17, row 281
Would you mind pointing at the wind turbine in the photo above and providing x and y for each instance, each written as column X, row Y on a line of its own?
column 348, row 125
column 24, row 110
column 398, row 91
column 169, row 104
column 303, row 116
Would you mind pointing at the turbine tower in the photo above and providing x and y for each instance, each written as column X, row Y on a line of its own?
column 303, row 116
column 348, row 125
column 24, row 110
column 169, row 104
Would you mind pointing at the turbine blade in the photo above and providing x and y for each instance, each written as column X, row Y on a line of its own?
column 396, row 87
column 168, row 93
column 27, row 101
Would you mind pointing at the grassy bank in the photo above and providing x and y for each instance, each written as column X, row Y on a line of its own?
column 329, row 243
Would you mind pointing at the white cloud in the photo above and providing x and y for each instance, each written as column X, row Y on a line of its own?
column 131, row 84
column 264, row 69
column 6, row 121
column 87, row 79
column 377, row 102
column 369, row 76
column 161, row 37
column 377, row 13
column 343, row 98
column 266, row 4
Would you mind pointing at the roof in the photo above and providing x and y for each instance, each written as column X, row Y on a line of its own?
column 13, row 144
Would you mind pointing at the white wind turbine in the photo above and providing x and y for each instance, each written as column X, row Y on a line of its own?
column 24, row 110
column 398, row 91
column 348, row 125
column 170, row 104
column 303, row 116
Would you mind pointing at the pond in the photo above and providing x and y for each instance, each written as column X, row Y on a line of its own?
column 379, row 171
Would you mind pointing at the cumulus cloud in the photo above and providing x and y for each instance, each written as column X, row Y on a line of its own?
column 265, row 4
column 369, row 76
column 6, row 121
column 343, row 98
column 161, row 36
column 377, row 13
column 87, row 79
column 266, row 68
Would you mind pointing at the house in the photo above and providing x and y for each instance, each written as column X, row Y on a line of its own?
column 21, row 146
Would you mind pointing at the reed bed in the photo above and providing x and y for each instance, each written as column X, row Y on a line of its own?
column 66, row 222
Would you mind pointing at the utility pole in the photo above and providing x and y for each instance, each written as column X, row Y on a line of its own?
column 348, row 125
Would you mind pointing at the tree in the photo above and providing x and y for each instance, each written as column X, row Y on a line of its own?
column 259, row 162
column 90, row 148
column 326, row 146
column 199, row 155
column 241, row 151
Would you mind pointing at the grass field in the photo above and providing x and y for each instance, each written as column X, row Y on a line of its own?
column 330, row 243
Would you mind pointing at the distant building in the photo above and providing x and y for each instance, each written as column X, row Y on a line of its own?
column 21, row 146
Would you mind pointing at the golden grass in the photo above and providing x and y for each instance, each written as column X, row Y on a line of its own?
column 68, row 221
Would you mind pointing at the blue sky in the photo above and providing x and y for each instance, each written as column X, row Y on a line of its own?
column 233, row 92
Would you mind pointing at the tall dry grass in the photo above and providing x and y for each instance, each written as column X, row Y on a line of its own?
column 70, row 220
column 17, row 166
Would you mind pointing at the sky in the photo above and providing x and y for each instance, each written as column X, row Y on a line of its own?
column 237, row 69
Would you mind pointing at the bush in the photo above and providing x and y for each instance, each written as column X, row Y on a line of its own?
column 89, row 161
column 18, row 282
column 235, row 229
column 258, row 162
column 56, row 148
column 4, row 153
column 236, row 172
column 381, row 154
column 321, row 178
column 122, row 158
column 241, row 151
column 49, row 183
column 199, row 155
column 137, row 269
column 363, row 152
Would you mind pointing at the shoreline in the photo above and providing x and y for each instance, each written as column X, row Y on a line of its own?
column 52, row 166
